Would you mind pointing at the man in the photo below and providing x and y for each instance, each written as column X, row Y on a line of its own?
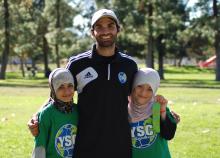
column 103, row 78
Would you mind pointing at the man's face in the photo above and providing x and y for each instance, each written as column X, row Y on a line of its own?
column 105, row 32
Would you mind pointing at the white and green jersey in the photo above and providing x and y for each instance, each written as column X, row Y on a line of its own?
column 57, row 132
column 146, row 143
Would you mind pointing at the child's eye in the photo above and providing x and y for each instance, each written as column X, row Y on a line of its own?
column 150, row 89
column 61, row 87
column 70, row 85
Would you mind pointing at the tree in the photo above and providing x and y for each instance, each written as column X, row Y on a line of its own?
column 5, row 53
column 58, row 28
column 216, row 16
column 59, row 21
column 207, row 27
column 150, row 43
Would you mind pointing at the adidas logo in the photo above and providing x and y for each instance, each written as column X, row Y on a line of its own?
column 88, row 75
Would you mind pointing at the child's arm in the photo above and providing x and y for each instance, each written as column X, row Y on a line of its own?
column 167, row 123
column 163, row 104
column 168, row 126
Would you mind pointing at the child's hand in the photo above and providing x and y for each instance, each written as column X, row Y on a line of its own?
column 163, row 102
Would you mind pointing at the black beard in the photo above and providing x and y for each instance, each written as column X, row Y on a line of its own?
column 105, row 44
column 109, row 43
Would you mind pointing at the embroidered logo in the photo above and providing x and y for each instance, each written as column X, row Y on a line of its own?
column 142, row 134
column 85, row 77
column 65, row 140
column 122, row 77
column 88, row 75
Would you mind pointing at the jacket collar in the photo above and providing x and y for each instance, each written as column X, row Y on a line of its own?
column 95, row 56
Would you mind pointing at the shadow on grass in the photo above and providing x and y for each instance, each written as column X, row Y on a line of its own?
column 17, row 82
column 190, row 83
column 15, row 85
column 187, row 70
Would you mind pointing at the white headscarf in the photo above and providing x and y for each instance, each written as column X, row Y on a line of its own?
column 58, row 77
column 144, row 76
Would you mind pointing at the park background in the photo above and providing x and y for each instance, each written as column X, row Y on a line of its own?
column 179, row 38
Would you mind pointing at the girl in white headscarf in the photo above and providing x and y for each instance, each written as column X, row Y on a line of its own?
column 152, row 124
column 57, row 120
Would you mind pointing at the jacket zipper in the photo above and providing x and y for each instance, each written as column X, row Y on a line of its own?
column 109, row 71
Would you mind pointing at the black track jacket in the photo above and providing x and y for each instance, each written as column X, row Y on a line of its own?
column 103, row 85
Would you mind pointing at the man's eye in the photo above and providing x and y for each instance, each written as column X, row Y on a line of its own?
column 112, row 26
column 98, row 27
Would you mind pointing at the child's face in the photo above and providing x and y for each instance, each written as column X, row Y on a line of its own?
column 65, row 92
column 142, row 94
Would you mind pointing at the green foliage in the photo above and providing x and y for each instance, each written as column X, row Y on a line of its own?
column 174, row 33
column 31, row 21
column 167, row 20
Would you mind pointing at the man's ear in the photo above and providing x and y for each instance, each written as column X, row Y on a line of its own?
column 92, row 33
column 118, row 29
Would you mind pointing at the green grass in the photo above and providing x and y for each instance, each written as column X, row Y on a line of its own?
column 192, row 93
column 198, row 132
column 17, row 104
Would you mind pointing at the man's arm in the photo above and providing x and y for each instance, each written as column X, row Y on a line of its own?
column 33, row 122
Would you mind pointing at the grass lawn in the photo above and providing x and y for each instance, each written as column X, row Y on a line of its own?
column 192, row 93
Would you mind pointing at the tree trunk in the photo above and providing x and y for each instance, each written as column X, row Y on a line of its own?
column 149, row 56
column 22, row 64
column 34, row 68
column 57, row 37
column 217, row 39
column 5, row 53
column 175, row 61
column 160, row 49
column 57, row 55
column 180, row 61
column 217, row 47
column 45, row 52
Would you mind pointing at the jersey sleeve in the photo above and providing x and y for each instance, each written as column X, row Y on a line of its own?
column 44, row 126
column 168, row 126
column 39, row 152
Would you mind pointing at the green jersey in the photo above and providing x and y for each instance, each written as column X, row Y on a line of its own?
column 146, row 143
column 57, row 132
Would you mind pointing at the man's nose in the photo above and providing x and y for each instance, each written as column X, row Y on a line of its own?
column 105, row 30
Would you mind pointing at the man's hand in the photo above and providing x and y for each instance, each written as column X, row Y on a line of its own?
column 176, row 117
column 33, row 125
